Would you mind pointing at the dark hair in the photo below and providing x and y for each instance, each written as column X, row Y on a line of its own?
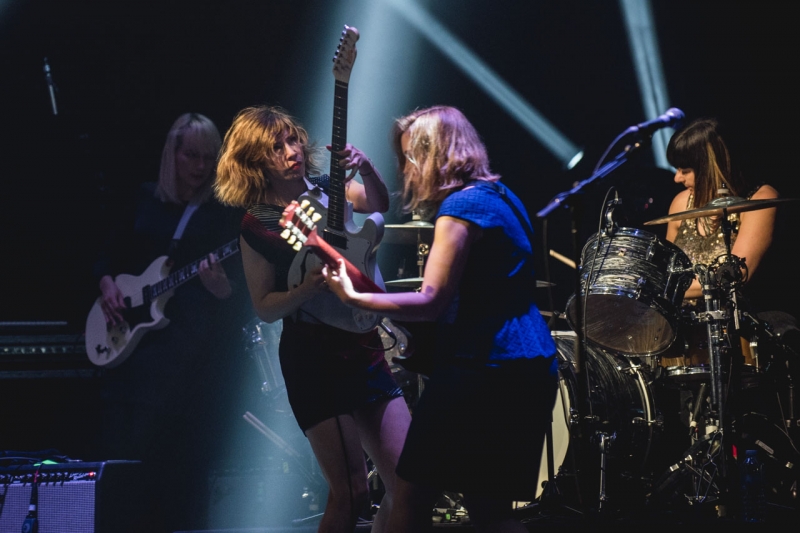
column 700, row 147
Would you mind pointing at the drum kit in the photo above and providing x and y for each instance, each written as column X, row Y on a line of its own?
column 674, row 394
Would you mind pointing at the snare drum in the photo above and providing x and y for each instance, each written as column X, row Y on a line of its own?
column 635, row 285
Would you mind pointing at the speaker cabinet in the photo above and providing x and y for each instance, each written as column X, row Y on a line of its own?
column 73, row 497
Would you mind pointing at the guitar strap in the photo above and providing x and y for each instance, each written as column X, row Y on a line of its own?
column 501, row 190
column 191, row 207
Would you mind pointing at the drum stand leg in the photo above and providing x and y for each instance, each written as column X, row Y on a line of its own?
column 604, row 442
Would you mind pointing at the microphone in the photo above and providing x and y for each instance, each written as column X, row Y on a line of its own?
column 50, row 86
column 671, row 117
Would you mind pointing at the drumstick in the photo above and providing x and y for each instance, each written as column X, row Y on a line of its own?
column 564, row 259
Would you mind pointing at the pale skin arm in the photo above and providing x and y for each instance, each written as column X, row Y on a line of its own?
column 452, row 240
column 269, row 304
column 370, row 197
column 755, row 233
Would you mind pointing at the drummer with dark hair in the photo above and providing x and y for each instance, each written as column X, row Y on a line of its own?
column 703, row 166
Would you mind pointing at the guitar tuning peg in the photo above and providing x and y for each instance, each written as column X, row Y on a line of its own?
column 304, row 204
column 292, row 239
column 297, row 246
column 316, row 217
column 285, row 234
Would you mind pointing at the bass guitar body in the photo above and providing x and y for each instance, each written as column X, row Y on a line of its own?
column 360, row 247
column 109, row 346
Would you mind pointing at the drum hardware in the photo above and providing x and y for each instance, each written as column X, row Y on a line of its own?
column 414, row 232
column 604, row 442
column 260, row 343
column 577, row 315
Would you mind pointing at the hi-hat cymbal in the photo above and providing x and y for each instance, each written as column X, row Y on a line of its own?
column 730, row 204
column 409, row 233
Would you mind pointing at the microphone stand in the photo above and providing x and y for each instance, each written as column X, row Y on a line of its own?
column 573, row 199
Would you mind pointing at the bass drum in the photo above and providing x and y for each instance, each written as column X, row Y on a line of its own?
column 621, row 402
column 635, row 285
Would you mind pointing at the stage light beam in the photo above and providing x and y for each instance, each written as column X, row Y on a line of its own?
column 482, row 75
column 638, row 18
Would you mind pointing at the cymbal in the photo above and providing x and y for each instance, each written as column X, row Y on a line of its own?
column 408, row 233
column 731, row 204
column 415, row 283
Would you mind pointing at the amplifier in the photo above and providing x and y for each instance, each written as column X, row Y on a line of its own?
column 73, row 497
column 44, row 356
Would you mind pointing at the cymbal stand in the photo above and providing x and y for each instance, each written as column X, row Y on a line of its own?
column 719, row 283
column 423, row 249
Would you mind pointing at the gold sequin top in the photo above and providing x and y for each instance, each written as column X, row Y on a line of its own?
column 703, row 249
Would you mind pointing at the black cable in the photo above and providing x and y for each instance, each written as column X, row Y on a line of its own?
column 31, row 522
column 347, row 466
column 589, row 281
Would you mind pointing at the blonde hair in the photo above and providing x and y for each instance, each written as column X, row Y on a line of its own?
column 247, row 157
column 187, row 125
column 445, row 152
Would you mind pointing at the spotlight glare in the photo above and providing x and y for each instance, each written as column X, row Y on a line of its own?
column 575, row 160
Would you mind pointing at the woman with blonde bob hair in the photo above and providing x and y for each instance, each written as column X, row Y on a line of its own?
column 206, row 141
column 493, row 385
column 339, row 384
column 157, row 402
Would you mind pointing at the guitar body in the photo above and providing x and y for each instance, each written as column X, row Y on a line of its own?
column 109, row 347
column 362, row 244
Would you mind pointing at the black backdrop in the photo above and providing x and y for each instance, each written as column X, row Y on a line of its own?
column 125, row 70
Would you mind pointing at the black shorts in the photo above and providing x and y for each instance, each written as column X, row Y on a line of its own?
column 480, row 430
column 329, row 372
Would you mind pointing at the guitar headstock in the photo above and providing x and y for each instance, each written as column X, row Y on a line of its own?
column 299, row 221
column 345, row 55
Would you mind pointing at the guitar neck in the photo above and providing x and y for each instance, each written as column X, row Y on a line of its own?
column 337, row 200
column 184, row 274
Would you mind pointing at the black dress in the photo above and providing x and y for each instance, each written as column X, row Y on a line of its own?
column 170, row 402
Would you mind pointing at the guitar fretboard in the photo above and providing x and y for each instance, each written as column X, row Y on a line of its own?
column 334, row 230
column 184, row 274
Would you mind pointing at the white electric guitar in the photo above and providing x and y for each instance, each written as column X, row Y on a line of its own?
column 145, row 297
column 335, row 215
